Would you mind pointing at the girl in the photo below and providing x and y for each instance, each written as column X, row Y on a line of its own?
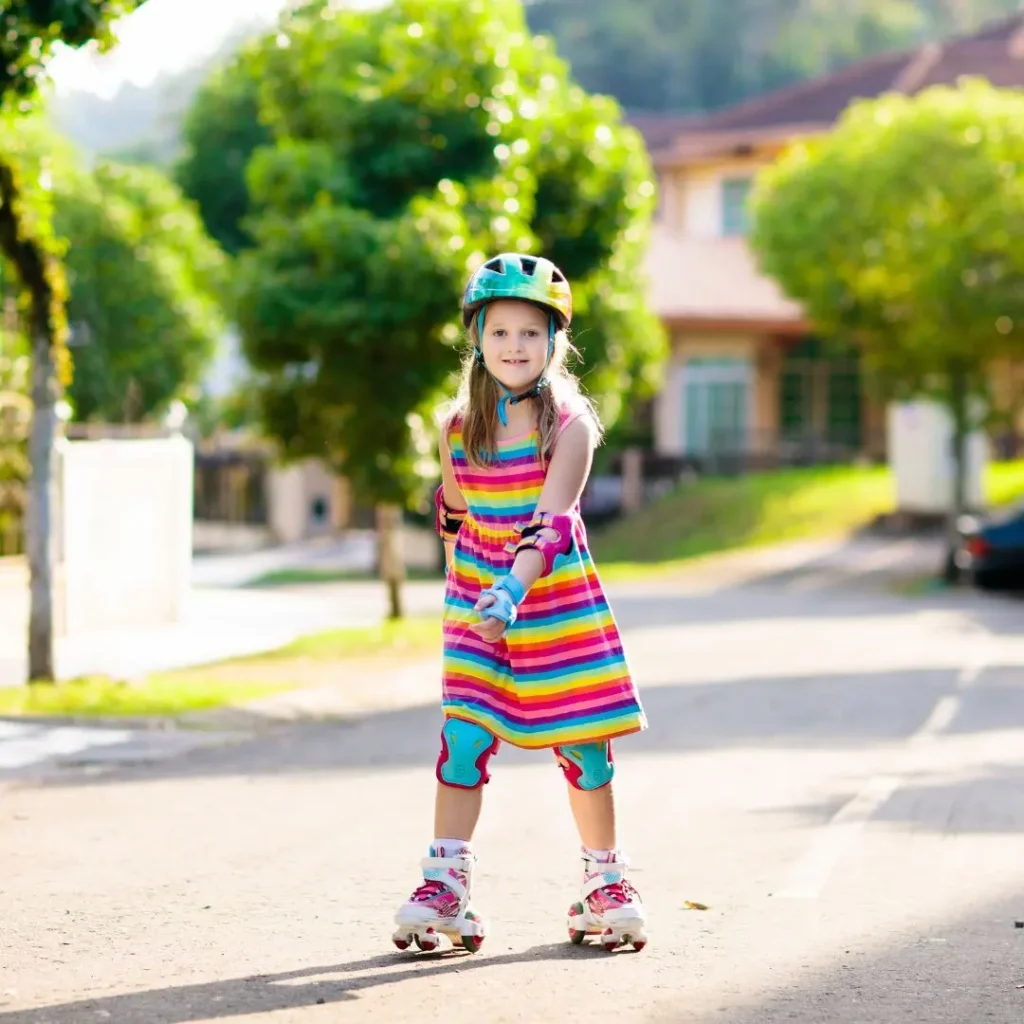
column 532, row 654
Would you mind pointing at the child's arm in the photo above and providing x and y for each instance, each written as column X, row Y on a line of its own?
column 451, row 505
column 566, row 477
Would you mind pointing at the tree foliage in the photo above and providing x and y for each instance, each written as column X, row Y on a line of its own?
column 409, row 142
column 904, row 231
column 220, row 132
column 664, row 55
column 146, row 284
column 29, row 30
column 15, row 418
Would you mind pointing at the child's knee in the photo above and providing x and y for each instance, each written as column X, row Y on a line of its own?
column 587, row 766
column 465, row 750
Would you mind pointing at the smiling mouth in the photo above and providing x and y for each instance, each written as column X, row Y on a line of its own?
column 515, row 362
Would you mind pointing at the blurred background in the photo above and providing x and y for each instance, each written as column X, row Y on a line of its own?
column 265, row 214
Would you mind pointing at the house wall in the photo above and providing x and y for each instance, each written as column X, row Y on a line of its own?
column 305, row 500
column 691, row 197
column 669, row 406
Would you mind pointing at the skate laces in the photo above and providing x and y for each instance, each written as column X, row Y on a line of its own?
column 619, row 892
column 428, row 891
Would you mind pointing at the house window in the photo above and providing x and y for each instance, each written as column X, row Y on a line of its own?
column 735, row 217
column 820, row 400
column 717, row 396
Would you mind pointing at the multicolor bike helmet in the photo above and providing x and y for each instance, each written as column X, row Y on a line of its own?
column 512, row 275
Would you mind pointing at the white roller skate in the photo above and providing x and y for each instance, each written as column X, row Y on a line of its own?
column 437, row 913
column 609, row 907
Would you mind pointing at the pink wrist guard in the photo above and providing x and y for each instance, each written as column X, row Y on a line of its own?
column 531, row 537
column 448, row 520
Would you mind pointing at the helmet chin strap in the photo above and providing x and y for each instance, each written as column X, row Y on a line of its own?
column 506, row 397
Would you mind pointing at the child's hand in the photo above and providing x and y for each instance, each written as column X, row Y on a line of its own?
column 487, row 629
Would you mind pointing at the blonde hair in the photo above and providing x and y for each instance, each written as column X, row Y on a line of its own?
column 475, row 407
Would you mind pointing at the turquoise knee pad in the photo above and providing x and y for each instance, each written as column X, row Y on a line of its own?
column 465, row 750
column 587, row 765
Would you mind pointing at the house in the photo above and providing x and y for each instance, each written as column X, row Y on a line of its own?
column 746, row 377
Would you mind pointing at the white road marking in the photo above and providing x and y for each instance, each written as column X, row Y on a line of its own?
column 22, row 745
column 811, row 872
column 945, row 711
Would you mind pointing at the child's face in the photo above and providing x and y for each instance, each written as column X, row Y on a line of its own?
column 515, row 343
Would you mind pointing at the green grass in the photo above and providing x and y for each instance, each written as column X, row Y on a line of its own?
column 165, row 694
column 415, row 636
column 330, row 656
column 1004, row 482
column 292, row 577
column 710, row 516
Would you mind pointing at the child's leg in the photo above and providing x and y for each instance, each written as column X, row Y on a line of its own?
column 594, row 811
column 442, row 902
column 589, row 769
column 456, row 811
column 609, row 905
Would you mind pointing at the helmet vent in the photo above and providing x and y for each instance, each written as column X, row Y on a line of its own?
column 528, row 264
column 557, row 275
column 496, row 265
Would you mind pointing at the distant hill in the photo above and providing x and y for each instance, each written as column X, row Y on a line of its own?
column 141, row 123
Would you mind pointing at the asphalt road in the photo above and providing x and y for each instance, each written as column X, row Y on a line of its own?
column 836, row 772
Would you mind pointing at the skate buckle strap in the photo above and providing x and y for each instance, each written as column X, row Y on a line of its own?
column 613, row 874
column 439, row 869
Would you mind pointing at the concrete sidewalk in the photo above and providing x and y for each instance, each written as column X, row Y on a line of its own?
column 220, row 620
column 224, row 620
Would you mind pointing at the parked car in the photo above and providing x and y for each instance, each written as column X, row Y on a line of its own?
column 991, row 549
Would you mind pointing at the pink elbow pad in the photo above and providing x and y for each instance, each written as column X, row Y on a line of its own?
column 549, row 549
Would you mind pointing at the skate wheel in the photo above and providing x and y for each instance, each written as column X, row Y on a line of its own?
column 639, row 944
column 472, row 942
column 401, row 943
column 609, row 941
column 576, row 935
column 428, row 941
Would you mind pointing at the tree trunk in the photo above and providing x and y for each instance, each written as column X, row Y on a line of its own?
column 40, row 517
column 30, row 261
column 958, row 398
column 391, row 564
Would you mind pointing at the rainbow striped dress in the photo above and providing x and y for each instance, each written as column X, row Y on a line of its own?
column 559, row 676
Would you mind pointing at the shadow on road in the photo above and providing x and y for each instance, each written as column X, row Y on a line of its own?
column 811, row 712
column 266, row 993
column 987, row 800
column 772, row 599
column 963, row 969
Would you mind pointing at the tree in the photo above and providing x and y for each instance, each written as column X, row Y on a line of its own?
column 221, row 130
column 903, row 231
column 29, row 31
column 146, row 284
column 409, row 142
column 699, row 55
